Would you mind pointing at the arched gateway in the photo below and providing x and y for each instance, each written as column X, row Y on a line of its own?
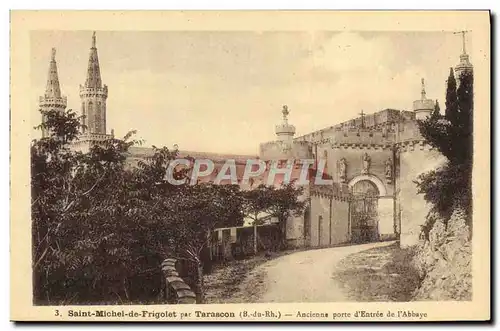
column 364, row 217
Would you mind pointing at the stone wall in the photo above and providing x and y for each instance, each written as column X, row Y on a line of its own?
column 320, row 215
column 415, row 158
column 386, row 217
column 340, row 229
column 329, row 220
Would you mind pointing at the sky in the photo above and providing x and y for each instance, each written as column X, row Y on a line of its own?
column 223, row 92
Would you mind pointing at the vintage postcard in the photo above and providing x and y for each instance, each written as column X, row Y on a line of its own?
column 250, row 166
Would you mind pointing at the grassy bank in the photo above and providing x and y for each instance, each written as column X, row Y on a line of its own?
column 379, row 274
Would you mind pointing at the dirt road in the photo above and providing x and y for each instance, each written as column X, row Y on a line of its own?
column 302, row 276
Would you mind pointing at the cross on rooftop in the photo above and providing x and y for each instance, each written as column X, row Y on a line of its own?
column 362, row 118
column 463, row 32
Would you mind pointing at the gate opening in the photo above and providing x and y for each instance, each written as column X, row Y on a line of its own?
column 363, row 212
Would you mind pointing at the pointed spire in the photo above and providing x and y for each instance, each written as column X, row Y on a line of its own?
column 422, row 92
column 53, row 89
column 423, row 106
column 93, row 71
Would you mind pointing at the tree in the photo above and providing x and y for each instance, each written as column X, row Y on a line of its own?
column 284, row 202
column 196, row 211
column 436, row 113
column 450, row 186
column 255, row 202
column 98, row 229
column 451, row 109
column 281, row 202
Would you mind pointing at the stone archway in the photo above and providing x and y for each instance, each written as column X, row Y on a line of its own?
column 364, row 204
column 374, row 179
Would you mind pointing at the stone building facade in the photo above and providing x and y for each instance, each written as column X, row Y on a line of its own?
column 373, row 161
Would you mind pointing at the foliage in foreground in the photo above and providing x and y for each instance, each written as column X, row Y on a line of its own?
column 449, row 187
column 101, row 227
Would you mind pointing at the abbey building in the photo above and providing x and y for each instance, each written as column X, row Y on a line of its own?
column 373, row 160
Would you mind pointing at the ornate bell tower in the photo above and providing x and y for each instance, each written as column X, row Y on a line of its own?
column 52, row 99
column 93, row 96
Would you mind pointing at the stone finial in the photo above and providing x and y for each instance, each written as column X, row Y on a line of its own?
column 285, row 131
column 285, row 112
column 423, row 90
column 93, row 40
column 53, row 55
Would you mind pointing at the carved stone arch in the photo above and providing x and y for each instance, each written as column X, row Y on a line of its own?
column 374, row 179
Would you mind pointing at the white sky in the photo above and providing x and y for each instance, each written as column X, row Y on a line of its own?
column 223, row 91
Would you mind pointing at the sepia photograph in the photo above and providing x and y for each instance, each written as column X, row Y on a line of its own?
column 192, row 168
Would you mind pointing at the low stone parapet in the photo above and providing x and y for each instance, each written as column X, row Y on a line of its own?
column 174, row 289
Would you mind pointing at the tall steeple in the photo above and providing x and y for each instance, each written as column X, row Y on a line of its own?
column 464, row 65
column 53, row 89
column 93, row 70
column 52, row 99
column 93, row 95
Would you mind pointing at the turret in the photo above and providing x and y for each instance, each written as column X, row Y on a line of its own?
column 52, row 99
column 284, row 147
column 285, row 131
column 423, row 107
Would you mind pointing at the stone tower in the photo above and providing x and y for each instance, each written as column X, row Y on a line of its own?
column 285, row 131
column 93, row 95
column 464, row 65
column 52, row 99
column 423, row 107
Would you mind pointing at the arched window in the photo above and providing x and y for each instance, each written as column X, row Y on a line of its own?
column 90, row 116
column 84, row 117
column 98, row 117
